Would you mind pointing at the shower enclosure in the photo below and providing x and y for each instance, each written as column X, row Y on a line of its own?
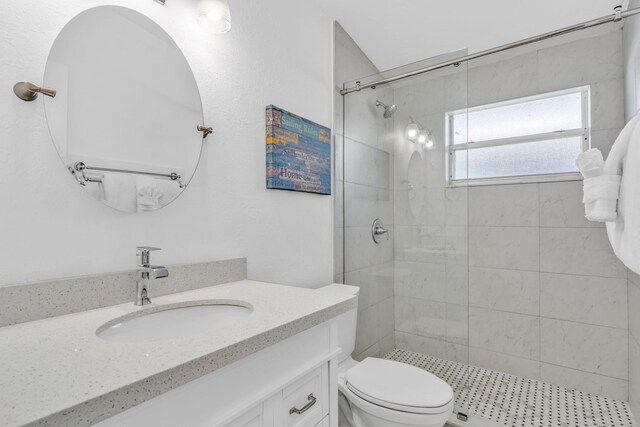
column 489, row 276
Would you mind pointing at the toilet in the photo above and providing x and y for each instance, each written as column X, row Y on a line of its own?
column 384, row 393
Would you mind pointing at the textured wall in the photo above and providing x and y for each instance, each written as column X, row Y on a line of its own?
column 368, row 155
column 50, row 228
column 547, row 297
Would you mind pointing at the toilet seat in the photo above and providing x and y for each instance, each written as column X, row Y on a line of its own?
column 398, row 386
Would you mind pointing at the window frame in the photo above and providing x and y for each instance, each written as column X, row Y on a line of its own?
column 451, row 149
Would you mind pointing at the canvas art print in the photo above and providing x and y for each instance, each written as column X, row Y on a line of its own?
column 298, row 153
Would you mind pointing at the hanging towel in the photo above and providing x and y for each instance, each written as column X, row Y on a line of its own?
column 601, row 197
column 624, row 233
column 591, row 165
column 148, row 194
column 119, row 191
column 601, row 192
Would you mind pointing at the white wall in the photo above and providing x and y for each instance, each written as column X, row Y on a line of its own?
column 277, row 52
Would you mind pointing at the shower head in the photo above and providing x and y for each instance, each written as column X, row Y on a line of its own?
column 389, row 110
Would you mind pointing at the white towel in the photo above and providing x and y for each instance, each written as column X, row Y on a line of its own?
column 624, row 233
column 119, row 191
column 591, row 165
column 601, row 193
column 601, row 197
column 148, row 194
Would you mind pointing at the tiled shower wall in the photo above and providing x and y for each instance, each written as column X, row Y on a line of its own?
column 547, row 297
column 366, row 182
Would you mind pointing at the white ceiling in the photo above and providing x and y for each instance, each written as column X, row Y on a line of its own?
column 398, row 32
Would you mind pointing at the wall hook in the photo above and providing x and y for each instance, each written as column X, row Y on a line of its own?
column 28, row 91
column 206, row 131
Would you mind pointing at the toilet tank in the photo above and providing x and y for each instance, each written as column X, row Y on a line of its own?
column 346, row 321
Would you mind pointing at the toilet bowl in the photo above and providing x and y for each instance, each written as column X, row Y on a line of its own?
column 385, row 393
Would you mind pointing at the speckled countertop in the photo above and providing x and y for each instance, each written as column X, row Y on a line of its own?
column 58, row 372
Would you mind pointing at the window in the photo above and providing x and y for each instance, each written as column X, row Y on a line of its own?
column 523, row 140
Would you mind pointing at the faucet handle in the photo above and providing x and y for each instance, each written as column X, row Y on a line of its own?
column 143, row 254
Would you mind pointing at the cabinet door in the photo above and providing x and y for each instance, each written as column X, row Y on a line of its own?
column 253, row 418
column 305, row 402
column 324, row 422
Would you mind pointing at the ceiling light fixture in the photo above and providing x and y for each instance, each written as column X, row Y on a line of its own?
column 214, row 16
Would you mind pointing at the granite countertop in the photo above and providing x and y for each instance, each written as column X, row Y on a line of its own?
column 58, row 372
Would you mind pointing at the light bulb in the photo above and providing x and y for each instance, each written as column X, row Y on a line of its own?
column 412, row 131
column 423, row 137
column 214, row 16
column 429, row 143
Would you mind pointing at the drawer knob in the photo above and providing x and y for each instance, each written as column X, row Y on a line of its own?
column 312, row 401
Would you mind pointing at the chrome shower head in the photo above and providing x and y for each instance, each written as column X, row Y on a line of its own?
column 389, row 110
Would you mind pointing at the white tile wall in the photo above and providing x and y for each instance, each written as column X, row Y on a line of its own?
column 367, row 165
column 581, row 62
column 503, row 80
column 583, row 251
column 590, row 348
column 368, row 194
column 421, row 317
column 536, row 264
column 504, row 363
column 421, row 280
column 509, row 333
column 504, row 247
column 585, row 299
column 561, row 205
column 585, row 381
column 506, row 290
column 431, row 346
column 504, row 205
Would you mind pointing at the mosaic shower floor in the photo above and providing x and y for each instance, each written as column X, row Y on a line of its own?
column 520, row 402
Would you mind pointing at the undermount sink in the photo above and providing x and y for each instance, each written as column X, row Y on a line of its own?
column 172, row 322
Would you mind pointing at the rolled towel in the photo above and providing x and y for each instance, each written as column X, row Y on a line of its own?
column 604, row 187
column 148, row 195
column 601, row 197
column 591, row 165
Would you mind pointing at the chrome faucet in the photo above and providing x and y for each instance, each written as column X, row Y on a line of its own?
column 146, row 273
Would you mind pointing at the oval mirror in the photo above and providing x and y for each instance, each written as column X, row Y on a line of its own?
column 126, row 115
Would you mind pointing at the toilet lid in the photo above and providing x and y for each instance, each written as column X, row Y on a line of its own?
column 398, row 386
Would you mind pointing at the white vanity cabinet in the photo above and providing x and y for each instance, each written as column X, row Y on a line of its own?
column 292, row 383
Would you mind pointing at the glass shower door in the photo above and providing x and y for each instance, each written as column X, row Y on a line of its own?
column 414, row 279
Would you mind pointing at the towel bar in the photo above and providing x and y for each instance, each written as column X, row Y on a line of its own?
column 79, row 168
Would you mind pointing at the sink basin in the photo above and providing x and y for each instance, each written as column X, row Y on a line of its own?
column 172, row 322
